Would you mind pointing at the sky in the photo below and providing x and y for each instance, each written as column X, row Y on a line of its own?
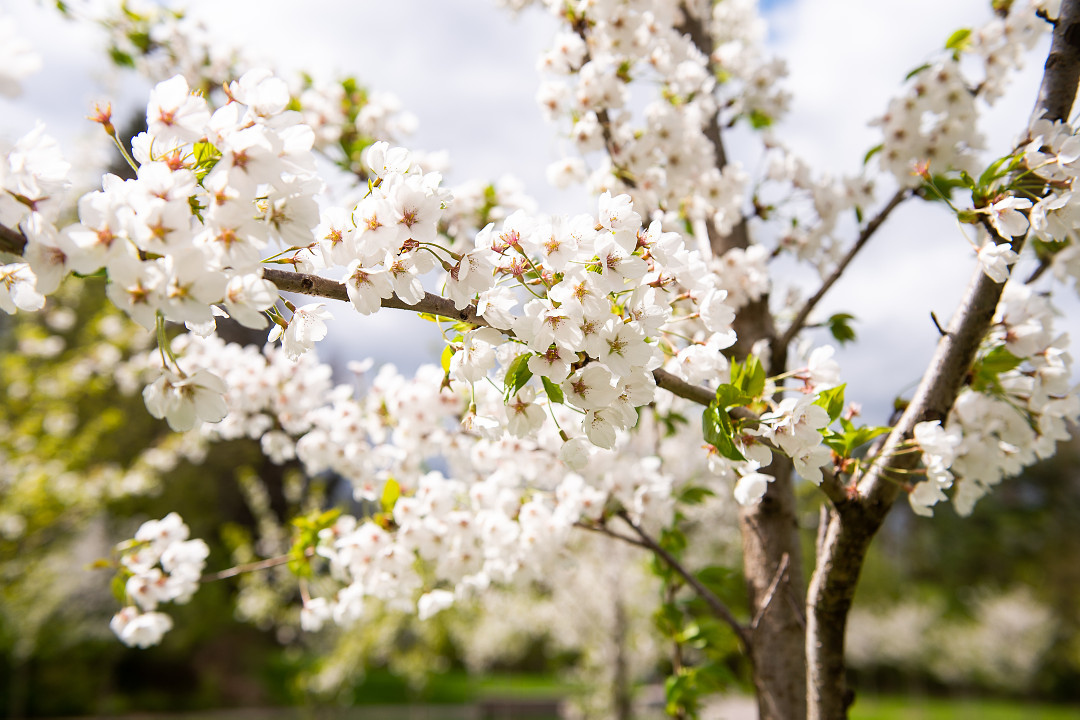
column 466, row 69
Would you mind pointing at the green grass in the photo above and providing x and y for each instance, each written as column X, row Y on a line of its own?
column 523, row 686
column 897, row 708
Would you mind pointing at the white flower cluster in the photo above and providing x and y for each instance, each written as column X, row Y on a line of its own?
column 752, row 84
column 807, row 229
column 934, row 120
column 510, row 503
column 1053, row 153
column 993, row 435
column 665, row 162
column 162, row 566
column 1001, row 43
column 180, row 43
column 33, row 182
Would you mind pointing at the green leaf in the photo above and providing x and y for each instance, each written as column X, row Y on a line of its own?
column 916, row 71
column 447, row 353
column 390, row 494
column 728, row 396
column 832, row 400
column 989, row 366
column 959, row 40
column 517, row 374
column 553, row 391
column 719, row 432
column 119, row 589
column 845, row 443
column 668, row 619
column 759, row 120
column 993, row 171
column 716, row 577
column 748, row 377
column 673, row 540
column 694, row 495
column 121, row 58
column 872, row 152
column 840, row 327
column 863, row 435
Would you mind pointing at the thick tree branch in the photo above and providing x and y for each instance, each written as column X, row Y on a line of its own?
column 852, row 526
column 865, row 234
column 1061, row 72
column 715, row 604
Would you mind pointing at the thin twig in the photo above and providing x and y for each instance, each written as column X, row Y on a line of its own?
column 864, row 236
column 780, row 570
column 715, row 604
column 941, row 331
column 605, row 530
column 251, row 567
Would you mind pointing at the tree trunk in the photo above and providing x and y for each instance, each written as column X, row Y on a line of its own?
column 771, row 546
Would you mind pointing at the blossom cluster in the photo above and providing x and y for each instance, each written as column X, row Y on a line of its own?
column 935, row 118
column 664, row 159
column 1017, row 415
column 161, row 566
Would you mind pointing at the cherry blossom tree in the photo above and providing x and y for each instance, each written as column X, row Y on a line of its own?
column 579, row 351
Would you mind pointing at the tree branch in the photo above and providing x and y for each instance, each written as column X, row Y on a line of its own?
column 851, row 528
column 252, row 567
column 715, row 604
column 864, row 236
column 1061, row 73
column 605, row 530
column 694, row 27
column 305, row 284
column 12, row 241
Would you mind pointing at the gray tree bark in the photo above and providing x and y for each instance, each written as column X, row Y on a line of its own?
column 853, row 521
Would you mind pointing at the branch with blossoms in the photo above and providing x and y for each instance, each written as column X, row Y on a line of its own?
column 955, row 364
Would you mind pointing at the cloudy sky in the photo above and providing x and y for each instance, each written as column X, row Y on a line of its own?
column 466, row 70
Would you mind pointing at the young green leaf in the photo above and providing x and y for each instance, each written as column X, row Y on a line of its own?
column 517, row 374
column 840, row 327
column 833, row 401
column 390, row 494
column 553, row 391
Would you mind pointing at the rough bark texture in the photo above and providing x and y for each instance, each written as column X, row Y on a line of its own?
column 769, row 538
column 769, row 530
column 852, row 523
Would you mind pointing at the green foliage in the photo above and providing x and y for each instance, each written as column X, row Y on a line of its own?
column 840, row 327
column 987, row 367
column 308, row 528
column 759, row 120
column 832, row 400
column 553, row 391
column 718, row 429
column 958, row 42
column 517, row 375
